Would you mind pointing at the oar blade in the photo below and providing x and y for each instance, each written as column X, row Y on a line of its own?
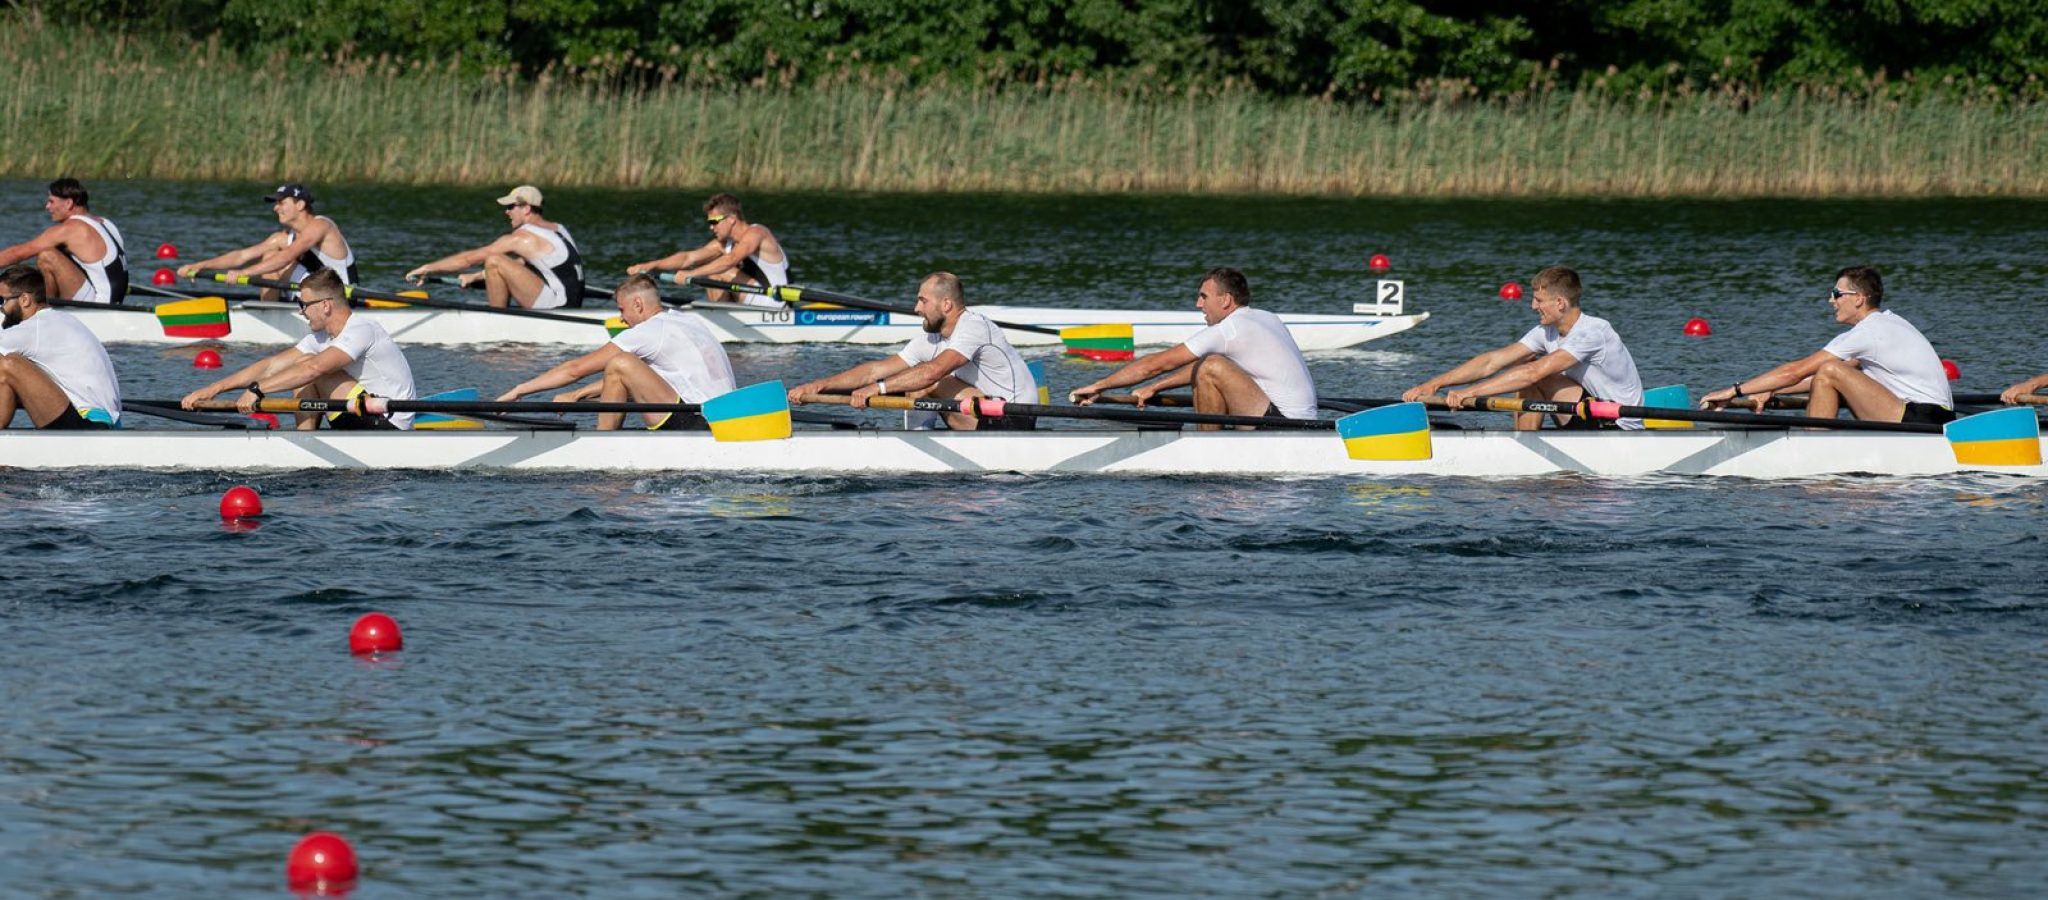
column 614, row 325
column 443, row 421
column 381, row 303
column 1398, row 432
column 2002, row 437
column 757, row 412
column 200, row 317
column 1038, row 377
column 1672, row 396
column 1101, row 343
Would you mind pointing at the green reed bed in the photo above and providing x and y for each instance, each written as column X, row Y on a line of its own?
column 97, row 107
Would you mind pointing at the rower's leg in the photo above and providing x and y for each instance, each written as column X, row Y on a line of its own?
column 1222, row 386
column 734, row 275
column 25, row 385
column 628, row 377
column 1836, row 383
column 951, row 388
column 61, row 277
column 1555, row 388
column 508, row 279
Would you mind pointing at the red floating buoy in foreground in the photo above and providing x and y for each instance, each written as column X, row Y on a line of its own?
column 321, row 861
column 1511, row 291
column 166, row 251
column 206, row 359
column 375, row 633
column 268, row 421
column 1949, row 368
column 1698, row 327
column 163, row 277
column 1379, row 262
column 240, row 502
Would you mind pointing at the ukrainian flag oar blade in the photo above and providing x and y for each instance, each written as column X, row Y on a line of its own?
column 443, row 421
column 200, row 317
column 2002, row 437
column 1393, row 432
column 1102, row 343
column 1673, row 396
column 757, row 412
column 1044, row 386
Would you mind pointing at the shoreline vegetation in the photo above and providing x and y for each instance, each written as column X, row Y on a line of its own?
column 99, row 106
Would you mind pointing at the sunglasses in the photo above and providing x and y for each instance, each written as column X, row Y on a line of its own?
column 305, row 304
column 713, row 220
column 1838, row 293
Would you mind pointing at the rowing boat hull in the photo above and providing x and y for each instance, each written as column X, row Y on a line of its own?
column 279, row 323
column 1501, row 454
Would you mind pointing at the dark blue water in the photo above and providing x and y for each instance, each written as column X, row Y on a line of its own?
column 622, row 685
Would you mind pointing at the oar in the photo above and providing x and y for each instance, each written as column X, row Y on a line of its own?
column 1104, row 343
column 416, row 300
column 1335, row 404
column 172, row 412
column 988, row 408
column 752, row 413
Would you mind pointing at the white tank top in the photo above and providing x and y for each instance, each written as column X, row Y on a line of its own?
column 559, row 266
column 106, row 279
column 344, row 266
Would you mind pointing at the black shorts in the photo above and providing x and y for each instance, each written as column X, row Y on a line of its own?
column 1928, row 414
column 682, row 421
column 351, row 422
column 70, row 420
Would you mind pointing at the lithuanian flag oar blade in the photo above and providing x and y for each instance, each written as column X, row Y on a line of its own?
column 199, row 317
column 1102, row 343
column 2002, row 437
column 443, row 421
column 757, row 412
column 1673, row 396
column 1396, row 432
column 614, row 325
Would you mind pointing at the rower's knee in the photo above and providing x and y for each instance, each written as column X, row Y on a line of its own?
column 1830, row 374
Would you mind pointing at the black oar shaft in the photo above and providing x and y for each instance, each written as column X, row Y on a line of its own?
column 989, row 408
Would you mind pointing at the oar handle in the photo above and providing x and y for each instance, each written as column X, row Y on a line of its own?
column 358, row 291
column 985, row 407
column 1607, row 409
column 365, row 404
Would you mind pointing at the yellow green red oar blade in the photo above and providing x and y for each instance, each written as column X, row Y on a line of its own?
column 1397, row 432
column 2002, row 437
column 757, row 412
column 1102, row 343
column 200, row 317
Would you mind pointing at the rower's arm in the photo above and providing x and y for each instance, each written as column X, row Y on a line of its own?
column 1792, row 376
column 233, row 259
column 742, row 247
column 1473, row 369
column 1515, row 378
column 681, row 259
column 927, row 373
column 514, row 244
column 306, row 370
column 243, row 376
column 866, row 373
column 2014, row 393
column 279, row 253
column 51, row 238
column 1145, row 368
column 567, row 373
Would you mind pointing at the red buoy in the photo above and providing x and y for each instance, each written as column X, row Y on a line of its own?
column 1698, row 327
column 268, row 421
column 208, row 358
column 1379, row 262
column 241, row 502
column 162, row 277
column 1511, row 291
column 375, row 633
column 321, row 862
column 166, row 251
column 1949, row 368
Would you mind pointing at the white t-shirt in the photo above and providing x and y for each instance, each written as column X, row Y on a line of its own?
column 68, row 352
column 682, row 350
column 377, row 363
column 1895, row 354
column 993, row 366
column 1260, row 345
column 1604, row 368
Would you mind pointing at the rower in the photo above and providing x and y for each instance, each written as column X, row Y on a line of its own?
column 536, row 265
column 2025, row 388
column 81, row 256
column 1567, row 356
column 960, row 356
column 739, row 251
column 1882, row 367
column 50, row 363
column 666, row 356
column 306, row 243
column 1245, row 363
column 341, row 356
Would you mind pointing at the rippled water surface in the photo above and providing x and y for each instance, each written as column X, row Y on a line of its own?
column 622, row 685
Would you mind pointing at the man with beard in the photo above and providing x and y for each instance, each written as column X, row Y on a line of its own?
column 961, row 356
column 50, row 363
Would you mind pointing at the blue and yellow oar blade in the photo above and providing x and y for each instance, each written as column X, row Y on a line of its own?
column 1102, row 343
column 199, row 317
column 757, row 412
column 1672, row 396
column 1396, row 432
column 444, row 422
column 2002, row 437
column 1044, row 386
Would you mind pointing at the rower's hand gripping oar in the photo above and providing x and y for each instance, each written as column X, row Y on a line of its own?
column 414, row 298
column 1103, row 343
column 986, row 407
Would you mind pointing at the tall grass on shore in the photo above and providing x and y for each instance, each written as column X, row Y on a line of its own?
column 100, row 106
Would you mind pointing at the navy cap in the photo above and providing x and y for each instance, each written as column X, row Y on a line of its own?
column 294, row 191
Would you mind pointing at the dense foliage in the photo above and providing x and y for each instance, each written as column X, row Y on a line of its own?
column 1350, row 49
